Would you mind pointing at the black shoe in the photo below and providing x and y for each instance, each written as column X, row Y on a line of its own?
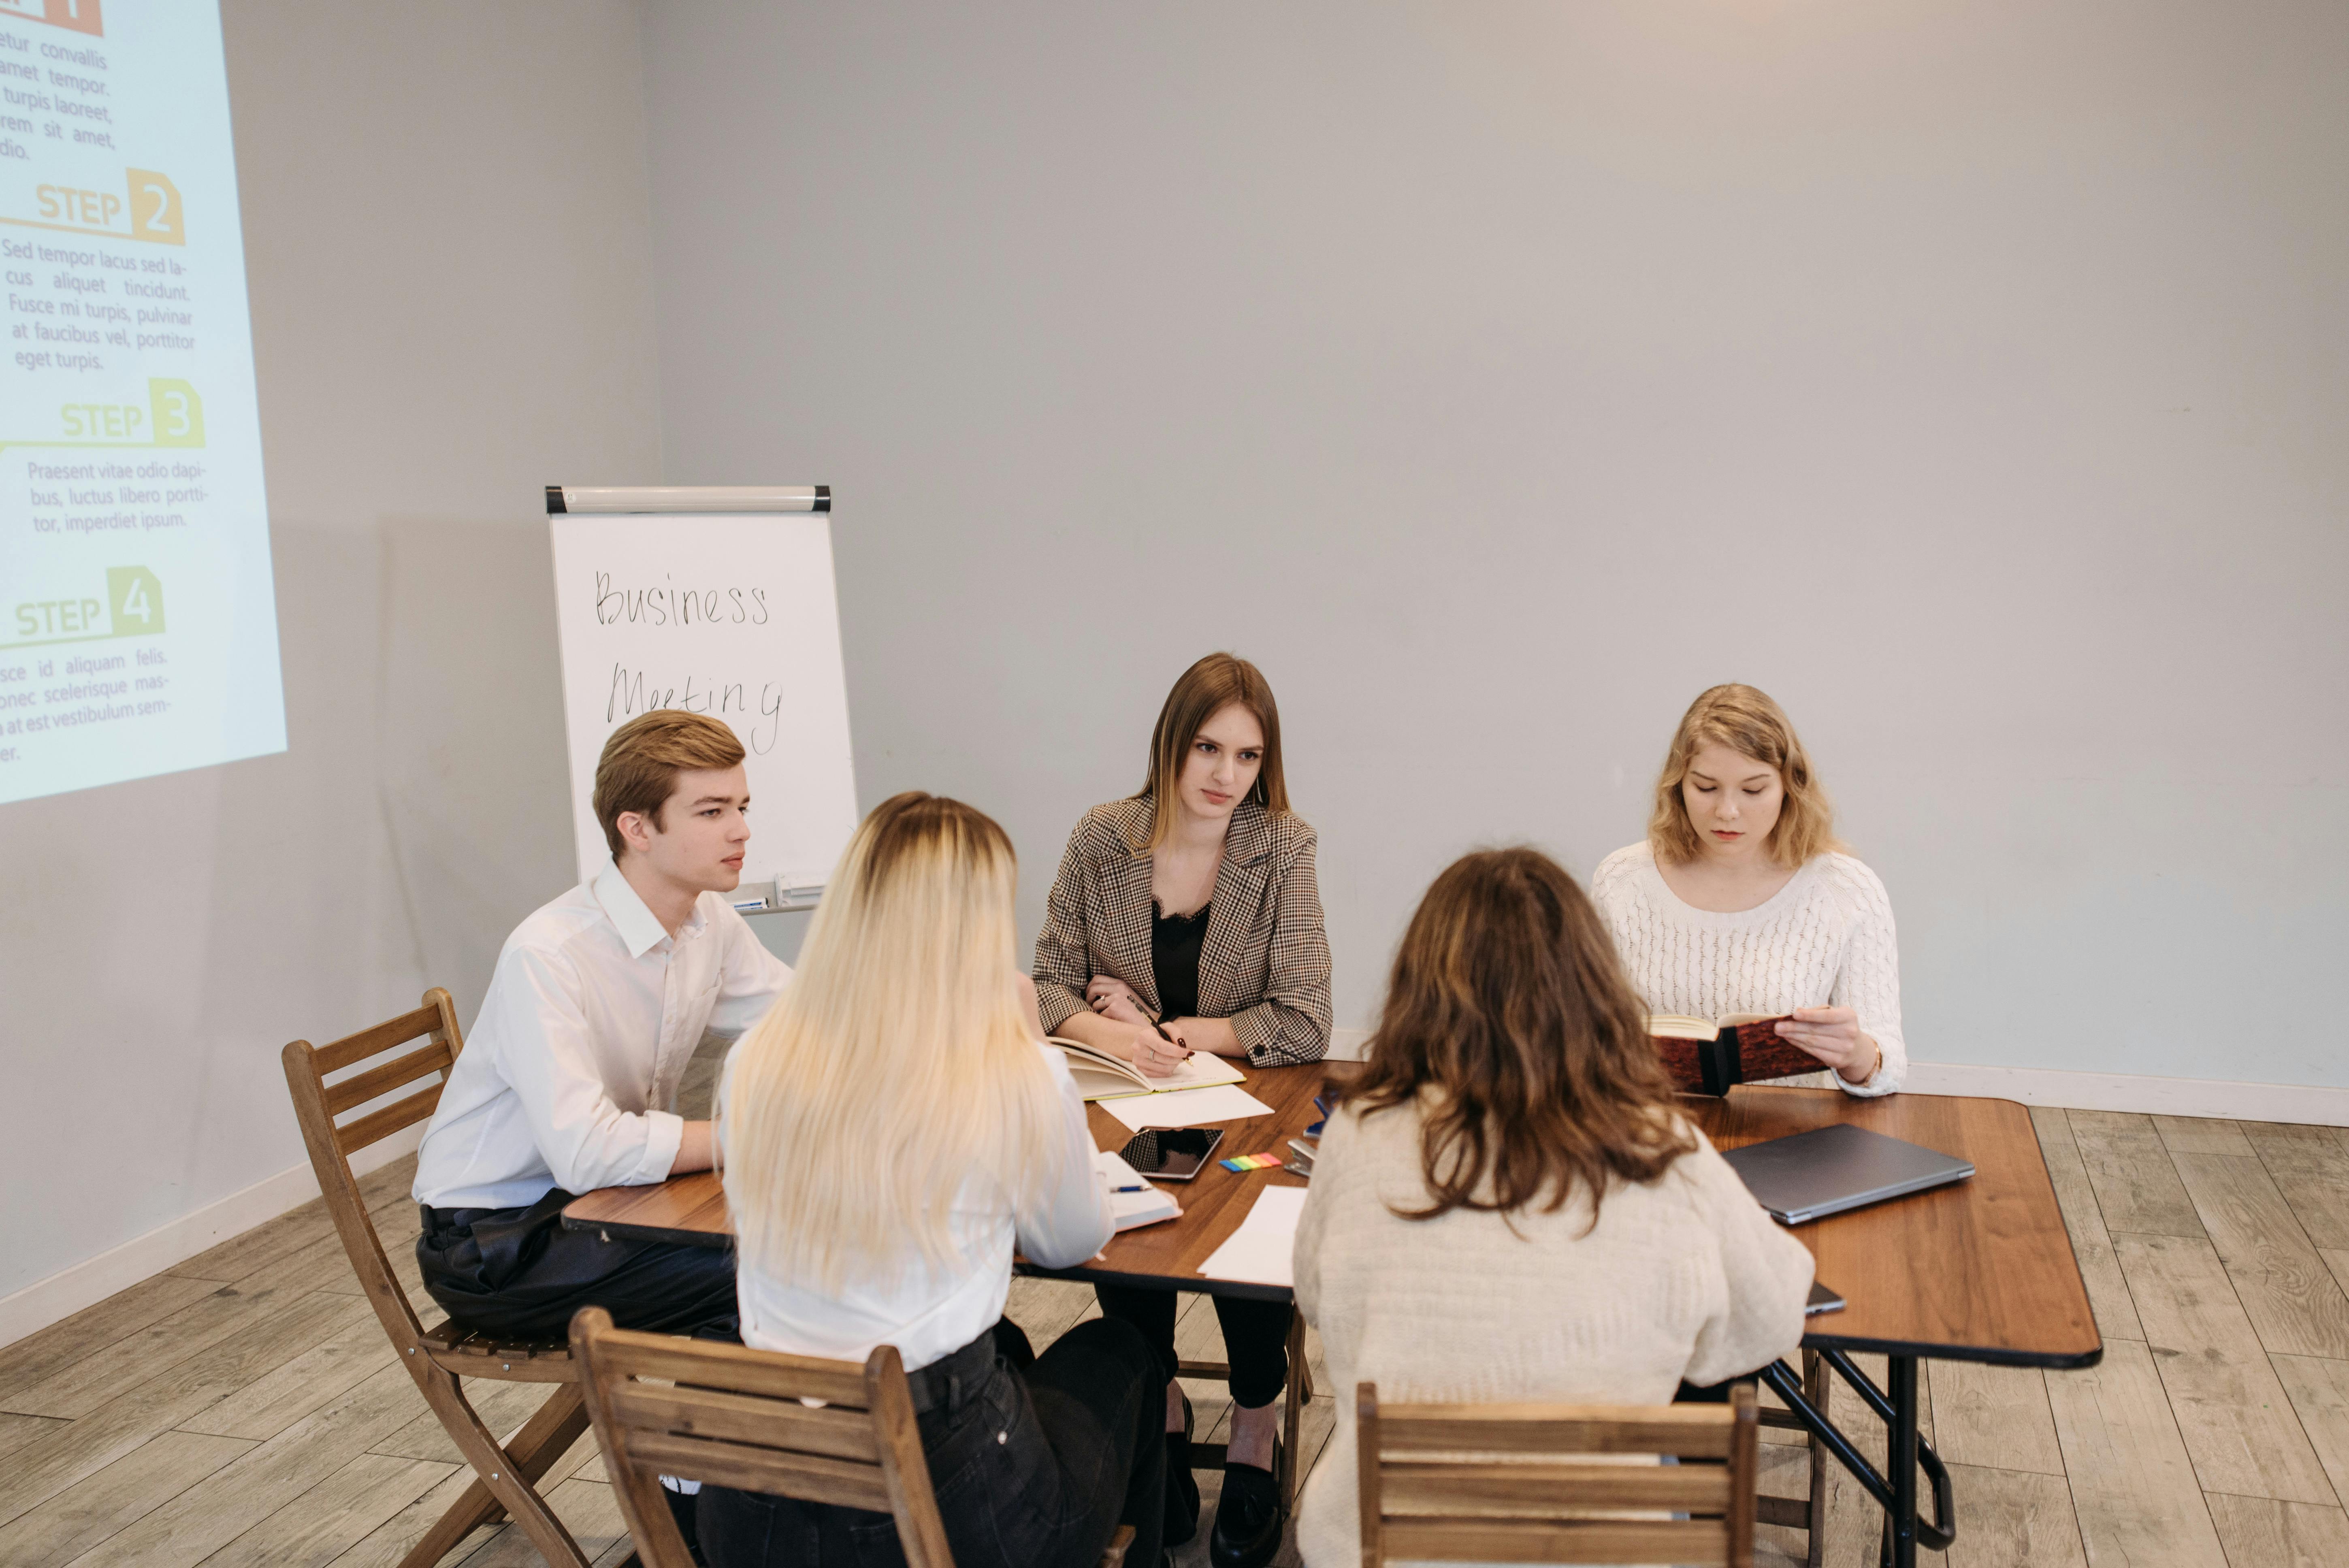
column 1181, row 1486
column 682, row 1507
column 1249, row 1517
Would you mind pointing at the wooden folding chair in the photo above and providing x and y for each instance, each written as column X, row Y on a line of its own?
column 440, row 1357
column 1421, row 1497
column 733, row 1417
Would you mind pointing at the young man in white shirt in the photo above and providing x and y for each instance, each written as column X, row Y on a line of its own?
column 569, row 1078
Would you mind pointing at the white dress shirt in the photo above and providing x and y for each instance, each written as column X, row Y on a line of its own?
column 572, row 1068
column 928, row 1312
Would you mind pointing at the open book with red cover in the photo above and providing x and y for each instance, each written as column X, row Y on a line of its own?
column 1706, row 1055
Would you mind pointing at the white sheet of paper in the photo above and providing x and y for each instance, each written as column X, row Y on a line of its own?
column 1262, row 1250
column 1186, row 1107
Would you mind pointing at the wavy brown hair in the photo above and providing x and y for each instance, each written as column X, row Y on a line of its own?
column 1507, row 1003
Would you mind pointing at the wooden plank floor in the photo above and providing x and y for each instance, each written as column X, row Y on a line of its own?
column 242, row 1409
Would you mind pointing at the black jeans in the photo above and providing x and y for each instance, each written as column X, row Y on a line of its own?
column 1255, row 1336
column 1035, row 1462
column 517, row 1272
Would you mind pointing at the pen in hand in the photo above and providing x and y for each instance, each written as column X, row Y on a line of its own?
column 1165, row 1034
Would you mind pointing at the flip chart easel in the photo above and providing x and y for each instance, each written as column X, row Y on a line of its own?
column 716, row 600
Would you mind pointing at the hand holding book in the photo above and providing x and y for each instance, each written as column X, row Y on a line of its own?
column 1833, row 1035
column 1707, row 1056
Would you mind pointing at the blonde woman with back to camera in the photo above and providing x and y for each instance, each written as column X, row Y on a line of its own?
column 1507, row 1207
column 890, row 1133
column 1741, row 900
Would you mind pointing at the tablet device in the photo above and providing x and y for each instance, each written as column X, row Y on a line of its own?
column 1828, row 1170
column 1822, row 1300
column 1171, row 1153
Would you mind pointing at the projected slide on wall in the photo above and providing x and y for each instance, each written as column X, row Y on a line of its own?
column 138, row 628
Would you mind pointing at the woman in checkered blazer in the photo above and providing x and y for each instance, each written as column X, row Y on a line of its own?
column 1185, row 918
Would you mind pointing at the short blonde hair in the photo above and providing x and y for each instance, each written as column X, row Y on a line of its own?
column 1750, row 724
column 1206, row 689
column 637, row 771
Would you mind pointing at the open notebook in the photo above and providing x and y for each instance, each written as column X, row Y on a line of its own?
column 1100, row 1075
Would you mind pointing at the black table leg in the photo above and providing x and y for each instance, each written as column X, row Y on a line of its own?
column 1905, row 1453
column 1900, row 1440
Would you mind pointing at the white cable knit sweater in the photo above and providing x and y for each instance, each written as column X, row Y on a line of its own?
column 1684, row 1277
column 1824, row 940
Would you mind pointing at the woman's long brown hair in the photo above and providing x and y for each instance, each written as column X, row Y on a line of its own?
column 1203, row 691
column 1507, row 1001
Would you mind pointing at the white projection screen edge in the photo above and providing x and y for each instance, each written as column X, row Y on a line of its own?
column 137, row 617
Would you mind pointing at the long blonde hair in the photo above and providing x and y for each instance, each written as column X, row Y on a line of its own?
column 1748, row 723
column 896, row 1067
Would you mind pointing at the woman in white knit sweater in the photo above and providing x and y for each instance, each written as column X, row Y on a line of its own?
column 1741, row 900
column 1506, row 1206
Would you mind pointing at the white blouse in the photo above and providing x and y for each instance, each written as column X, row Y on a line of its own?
column 1824, row 940
column 928, row 1311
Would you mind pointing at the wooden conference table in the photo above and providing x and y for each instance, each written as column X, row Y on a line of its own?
column 1981, row 1270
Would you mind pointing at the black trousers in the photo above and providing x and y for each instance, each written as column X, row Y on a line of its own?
column 517, row 1272
column 1035, row 1461
column 1255, row 1336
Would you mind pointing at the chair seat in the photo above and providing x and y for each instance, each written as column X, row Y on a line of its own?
column 474, row 1355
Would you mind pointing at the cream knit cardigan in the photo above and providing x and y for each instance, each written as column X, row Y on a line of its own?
column 1824, row 940
column 1683, row 1278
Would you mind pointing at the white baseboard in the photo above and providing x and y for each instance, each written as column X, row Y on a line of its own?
column 2219, row 1098
column 2141, row 1092
column 62, row 1294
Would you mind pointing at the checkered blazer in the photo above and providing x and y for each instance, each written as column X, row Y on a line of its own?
column 1265, row 964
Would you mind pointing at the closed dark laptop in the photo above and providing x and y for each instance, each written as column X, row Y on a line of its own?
column 1830, row 1168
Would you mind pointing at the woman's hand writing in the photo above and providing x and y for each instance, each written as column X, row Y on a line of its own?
column 1833, row 1035
column 1154, row 1054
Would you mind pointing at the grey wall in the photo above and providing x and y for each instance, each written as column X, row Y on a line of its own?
column 445, row 214
column 1970, row 376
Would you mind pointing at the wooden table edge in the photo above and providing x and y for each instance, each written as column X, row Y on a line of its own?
column 1981, row 1354
column 1200, row 1284
column 1821, row 1337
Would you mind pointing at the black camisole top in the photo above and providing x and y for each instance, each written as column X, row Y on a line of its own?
column 1175, row 944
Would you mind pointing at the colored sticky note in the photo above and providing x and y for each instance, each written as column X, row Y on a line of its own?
column 1251, row 1162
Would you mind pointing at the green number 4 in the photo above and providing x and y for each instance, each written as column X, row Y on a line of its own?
column 138, row 600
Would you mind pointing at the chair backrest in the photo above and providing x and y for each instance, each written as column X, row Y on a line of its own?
column 317, row 1104
column 1422, row 1497
column 739, row 1417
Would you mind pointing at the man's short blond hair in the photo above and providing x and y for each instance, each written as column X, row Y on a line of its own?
column 639, row 769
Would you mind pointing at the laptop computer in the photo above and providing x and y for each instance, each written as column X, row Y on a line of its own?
column 1828, row 1170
